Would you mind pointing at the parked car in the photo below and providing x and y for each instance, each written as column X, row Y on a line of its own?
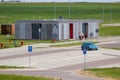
column 89, row 46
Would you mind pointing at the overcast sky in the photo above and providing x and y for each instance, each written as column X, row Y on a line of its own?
column 68, row 0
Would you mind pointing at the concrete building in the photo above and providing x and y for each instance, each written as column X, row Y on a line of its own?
column 56, row 29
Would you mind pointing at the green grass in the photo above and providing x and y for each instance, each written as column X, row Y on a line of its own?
column 112, row 48
column 113, row 73
column 67, row 45
column 10, row 42
column 20, row 77
column 10, row 12
column 116, row 48
column 9, row 67
column 110, row 31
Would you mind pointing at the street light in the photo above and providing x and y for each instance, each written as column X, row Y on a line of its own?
column 110, row 10
column 54, row 10
column 103, row 10
column 69, row 9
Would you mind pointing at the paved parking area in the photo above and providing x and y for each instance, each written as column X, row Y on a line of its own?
column 59, row 62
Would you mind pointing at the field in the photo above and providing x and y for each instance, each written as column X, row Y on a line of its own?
column 110, row 73
column 10, row 12
column 110, row 31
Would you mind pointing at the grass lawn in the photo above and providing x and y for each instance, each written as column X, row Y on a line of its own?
column 20, row 77
column 10, row 67
column 10, row 42
column 67, row 45
column 110, row 31
column 112, row 73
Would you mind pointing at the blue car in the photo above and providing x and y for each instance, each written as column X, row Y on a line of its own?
column 89, row 46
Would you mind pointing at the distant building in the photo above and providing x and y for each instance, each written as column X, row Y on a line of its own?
column 7, row 29
column 56, row 29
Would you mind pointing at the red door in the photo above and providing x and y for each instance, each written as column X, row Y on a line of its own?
column 71, row 30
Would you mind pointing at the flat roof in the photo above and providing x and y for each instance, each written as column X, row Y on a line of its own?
column 58, row 20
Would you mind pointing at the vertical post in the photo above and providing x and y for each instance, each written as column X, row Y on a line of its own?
column 30, row 51
column 69, row 9
column 54, row 10
column 84, row 53
column 84, row 61
column 110, row 11
column 29, row 60
column 103, row 10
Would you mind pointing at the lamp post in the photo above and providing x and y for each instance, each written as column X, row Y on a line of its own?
column 110, row 11
column 69, row 9
column 54, row 10
column 103, row 11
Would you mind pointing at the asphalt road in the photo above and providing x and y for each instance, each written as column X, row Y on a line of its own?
column 112, row 43
column 66, row 72
column 54, row 73
column 60, row 63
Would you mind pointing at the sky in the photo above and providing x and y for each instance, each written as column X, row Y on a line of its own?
column 69, row 0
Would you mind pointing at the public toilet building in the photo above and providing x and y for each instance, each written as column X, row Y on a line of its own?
column 56, row 29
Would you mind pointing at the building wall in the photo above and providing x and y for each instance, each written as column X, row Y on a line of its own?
column 23, row 31
column 96, row 30
column 28, row 31
column 92, row 29
column 17, row 31
column 54, row 30
column 76, row 30
column 13, row 29
column 64, row 31
column 44, row 32
column 61, row 31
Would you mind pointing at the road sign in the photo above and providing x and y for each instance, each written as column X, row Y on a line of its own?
column 84, row 51
column 29, row 48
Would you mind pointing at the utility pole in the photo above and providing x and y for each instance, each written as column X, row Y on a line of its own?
column 54, row 10
column 110, row 11
column 69, row 9
column 103, row 11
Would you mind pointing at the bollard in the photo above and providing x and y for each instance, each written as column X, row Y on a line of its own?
column 53, row 40
column 22, row 43
column 1, row 45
